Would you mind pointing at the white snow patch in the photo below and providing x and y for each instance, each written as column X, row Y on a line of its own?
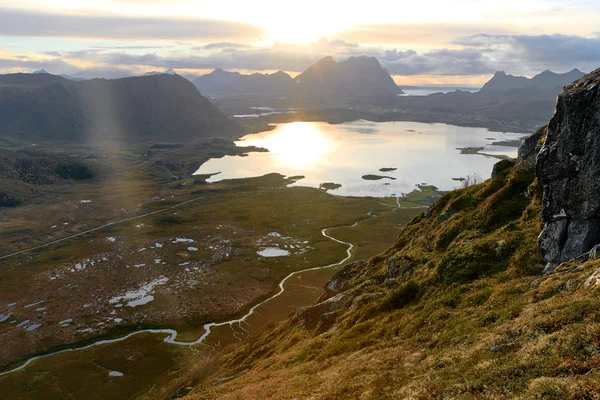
column 116, row 373
column 111, row 239
column 140, row 296
column 33, row 327
column 273, row 252
column 139, row 265
column 192, row 248
column 4, row 317
column 183, row 240
column 34, row 304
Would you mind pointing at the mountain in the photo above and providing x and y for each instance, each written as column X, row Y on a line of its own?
column 22, row 80
column 210, row 82
column 167, row 72
column 549, row 79
column 354, row 77
column 326, row 79
column 220, row 82
column 159, row 107
column 461, row 305
column 41, row 71
column 501, row 82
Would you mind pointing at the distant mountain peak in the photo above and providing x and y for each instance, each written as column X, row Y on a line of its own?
column 170, row 72
column 41, row 71
column 501, row 82
column 358, row 76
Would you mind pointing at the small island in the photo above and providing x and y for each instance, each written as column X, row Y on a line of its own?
column 329, row 186
column 387, row 169
column 371, row 177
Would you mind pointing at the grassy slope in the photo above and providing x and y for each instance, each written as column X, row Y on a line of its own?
column 456, row 309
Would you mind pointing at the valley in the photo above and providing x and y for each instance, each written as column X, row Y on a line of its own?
column 144, row 245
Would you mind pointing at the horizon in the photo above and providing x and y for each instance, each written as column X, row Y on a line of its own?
column 445, row 43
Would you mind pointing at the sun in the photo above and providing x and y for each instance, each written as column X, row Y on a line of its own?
column 301, row 26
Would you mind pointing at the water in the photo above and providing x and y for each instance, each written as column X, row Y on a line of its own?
column 427, row 90
column 273, row 252
column 344, row 153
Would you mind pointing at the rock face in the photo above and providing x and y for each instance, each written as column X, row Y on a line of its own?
column 568, row 168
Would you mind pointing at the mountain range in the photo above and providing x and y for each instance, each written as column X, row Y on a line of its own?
column 501, row 82
column 46, row 107
column 326, row 79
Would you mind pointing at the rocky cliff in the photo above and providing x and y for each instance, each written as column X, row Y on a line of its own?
column 568, row 167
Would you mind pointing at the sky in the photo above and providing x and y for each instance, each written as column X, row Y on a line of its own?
column 419, row 42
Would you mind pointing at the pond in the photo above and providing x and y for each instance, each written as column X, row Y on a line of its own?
column 367, row 158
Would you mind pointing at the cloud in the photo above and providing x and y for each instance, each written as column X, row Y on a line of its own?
column 34, row 24
column 439, row 62
column 222, row 45
column 418, row 34
column 27, row 63
column 531, row 53
column 228, row 55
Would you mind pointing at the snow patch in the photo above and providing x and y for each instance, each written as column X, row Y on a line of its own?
column 140, row 296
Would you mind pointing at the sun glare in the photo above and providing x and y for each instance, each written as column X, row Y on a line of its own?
column 299, row 145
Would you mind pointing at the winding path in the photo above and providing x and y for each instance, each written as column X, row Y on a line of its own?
column 171, row 333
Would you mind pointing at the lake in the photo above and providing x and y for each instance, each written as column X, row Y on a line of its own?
column 427, row 90
column 344, row 153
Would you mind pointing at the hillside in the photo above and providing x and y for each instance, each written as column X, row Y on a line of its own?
column 460, row 306
column 27, row 174
column 158, row 107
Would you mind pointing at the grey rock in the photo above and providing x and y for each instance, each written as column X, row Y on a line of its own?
column 572, row 284
column 495, row 349
column 321, row 313
column 593, row 280
column 398, row 268
column 339, row 282
column 530, row 148
column 446, row 215
column 568, row 168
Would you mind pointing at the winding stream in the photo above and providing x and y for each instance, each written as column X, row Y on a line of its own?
column 172, row 334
